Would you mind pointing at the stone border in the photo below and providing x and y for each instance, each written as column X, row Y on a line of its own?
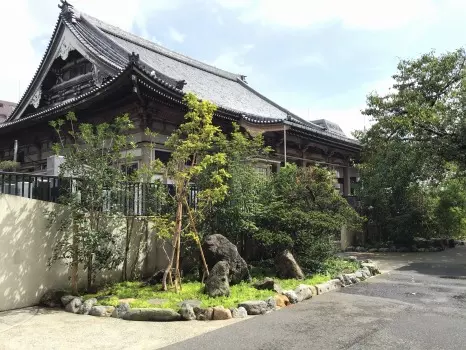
column 190, row 310
column 421, row 246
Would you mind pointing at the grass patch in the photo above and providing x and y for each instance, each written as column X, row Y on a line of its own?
column 111, row 295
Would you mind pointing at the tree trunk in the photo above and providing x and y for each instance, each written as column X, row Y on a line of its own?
column 89, row 272
column 197, row 239
column 176, row 243
column 74, row 261
column 129, row 229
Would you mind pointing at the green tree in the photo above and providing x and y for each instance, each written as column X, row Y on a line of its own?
column 194, row 152
column 304, row 213
column 90, row 215
column 235, row 216
column 419, row 130
column 426, row 106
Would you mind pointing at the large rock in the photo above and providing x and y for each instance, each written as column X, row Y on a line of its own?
column 220, row 313
column 219, row 248
column 121, row 310
column 155, row 315
column 187, row 312
column 303, row 292
column 254, row 307
column 74, row 306
column 373, row 268
column 291, row 295
column 87, row 306
column 239, row 312
column 281, row 300
column 52, row 298
column 217, row 283
column 287, row 267
column 271, row 304
column 101, row 311
column 328, row 286
column 268, row 284
column 66, row 299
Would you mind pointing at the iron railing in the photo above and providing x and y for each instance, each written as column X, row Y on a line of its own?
column 130, row 198
column 41, row 187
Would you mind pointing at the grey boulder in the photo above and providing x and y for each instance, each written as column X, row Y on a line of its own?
column 271, row 304
column 217, row 284
column 187, row 312
column 303, row 292
column 155, row 315
column 52, row 298
column 74, row 305
column 218, row 248
column 291, row 295
column 268, row 284
column 87, row 306
column 239, row 312
column 287, row 267
column 254, row 307
column 101, row 311
column 121, row 310
column 66, row 299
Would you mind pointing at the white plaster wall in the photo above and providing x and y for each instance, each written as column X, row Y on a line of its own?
column 26, row 241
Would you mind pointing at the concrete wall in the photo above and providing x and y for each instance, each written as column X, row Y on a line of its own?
column 26, row 243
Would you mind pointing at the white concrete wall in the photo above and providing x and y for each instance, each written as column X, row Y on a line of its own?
column 26, row 243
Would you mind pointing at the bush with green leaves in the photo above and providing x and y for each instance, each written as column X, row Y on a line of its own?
column 303, row 212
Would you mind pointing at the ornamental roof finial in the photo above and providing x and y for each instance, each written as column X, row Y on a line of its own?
column 67, row 9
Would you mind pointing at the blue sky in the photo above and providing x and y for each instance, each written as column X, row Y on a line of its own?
column 317, row 58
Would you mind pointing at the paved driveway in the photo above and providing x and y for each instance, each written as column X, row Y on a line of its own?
column 420, row 303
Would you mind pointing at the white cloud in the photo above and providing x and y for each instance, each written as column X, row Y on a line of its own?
column 356, row 14
column 349, row 118
column 234, row 61
column 176, row 35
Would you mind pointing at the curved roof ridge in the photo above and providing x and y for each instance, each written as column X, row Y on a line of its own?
column 149, row 45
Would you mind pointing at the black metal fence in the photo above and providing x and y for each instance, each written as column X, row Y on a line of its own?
column 41, row 187
column 131, row 198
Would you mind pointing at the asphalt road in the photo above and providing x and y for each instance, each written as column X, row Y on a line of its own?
column 419, row 304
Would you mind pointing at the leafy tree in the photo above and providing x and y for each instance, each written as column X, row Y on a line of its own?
column 450, row 209
column 235, row 216
column 91, row 174
column 303, row 212
column 426, row 106
column 194, row 152
column 419, row 132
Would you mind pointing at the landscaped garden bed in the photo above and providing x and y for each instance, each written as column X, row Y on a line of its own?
column 138, row 301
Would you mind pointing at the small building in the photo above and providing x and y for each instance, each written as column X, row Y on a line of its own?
column 100, row 71
column 6, row 108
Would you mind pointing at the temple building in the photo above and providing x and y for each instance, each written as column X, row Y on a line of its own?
column 100, row 71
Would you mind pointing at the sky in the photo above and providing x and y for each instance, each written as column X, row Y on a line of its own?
column 319, row 59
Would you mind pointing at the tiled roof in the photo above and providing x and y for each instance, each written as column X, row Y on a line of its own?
column 218, row 86
column 114, row 47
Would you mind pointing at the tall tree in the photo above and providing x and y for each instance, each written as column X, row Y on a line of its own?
column 426, row 106
column 194, row 152
column 91, row 176
column 418, row 134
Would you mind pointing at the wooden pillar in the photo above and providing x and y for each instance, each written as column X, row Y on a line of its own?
column 346, row 182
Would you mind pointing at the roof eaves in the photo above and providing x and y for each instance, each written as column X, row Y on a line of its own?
column 64, row 104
